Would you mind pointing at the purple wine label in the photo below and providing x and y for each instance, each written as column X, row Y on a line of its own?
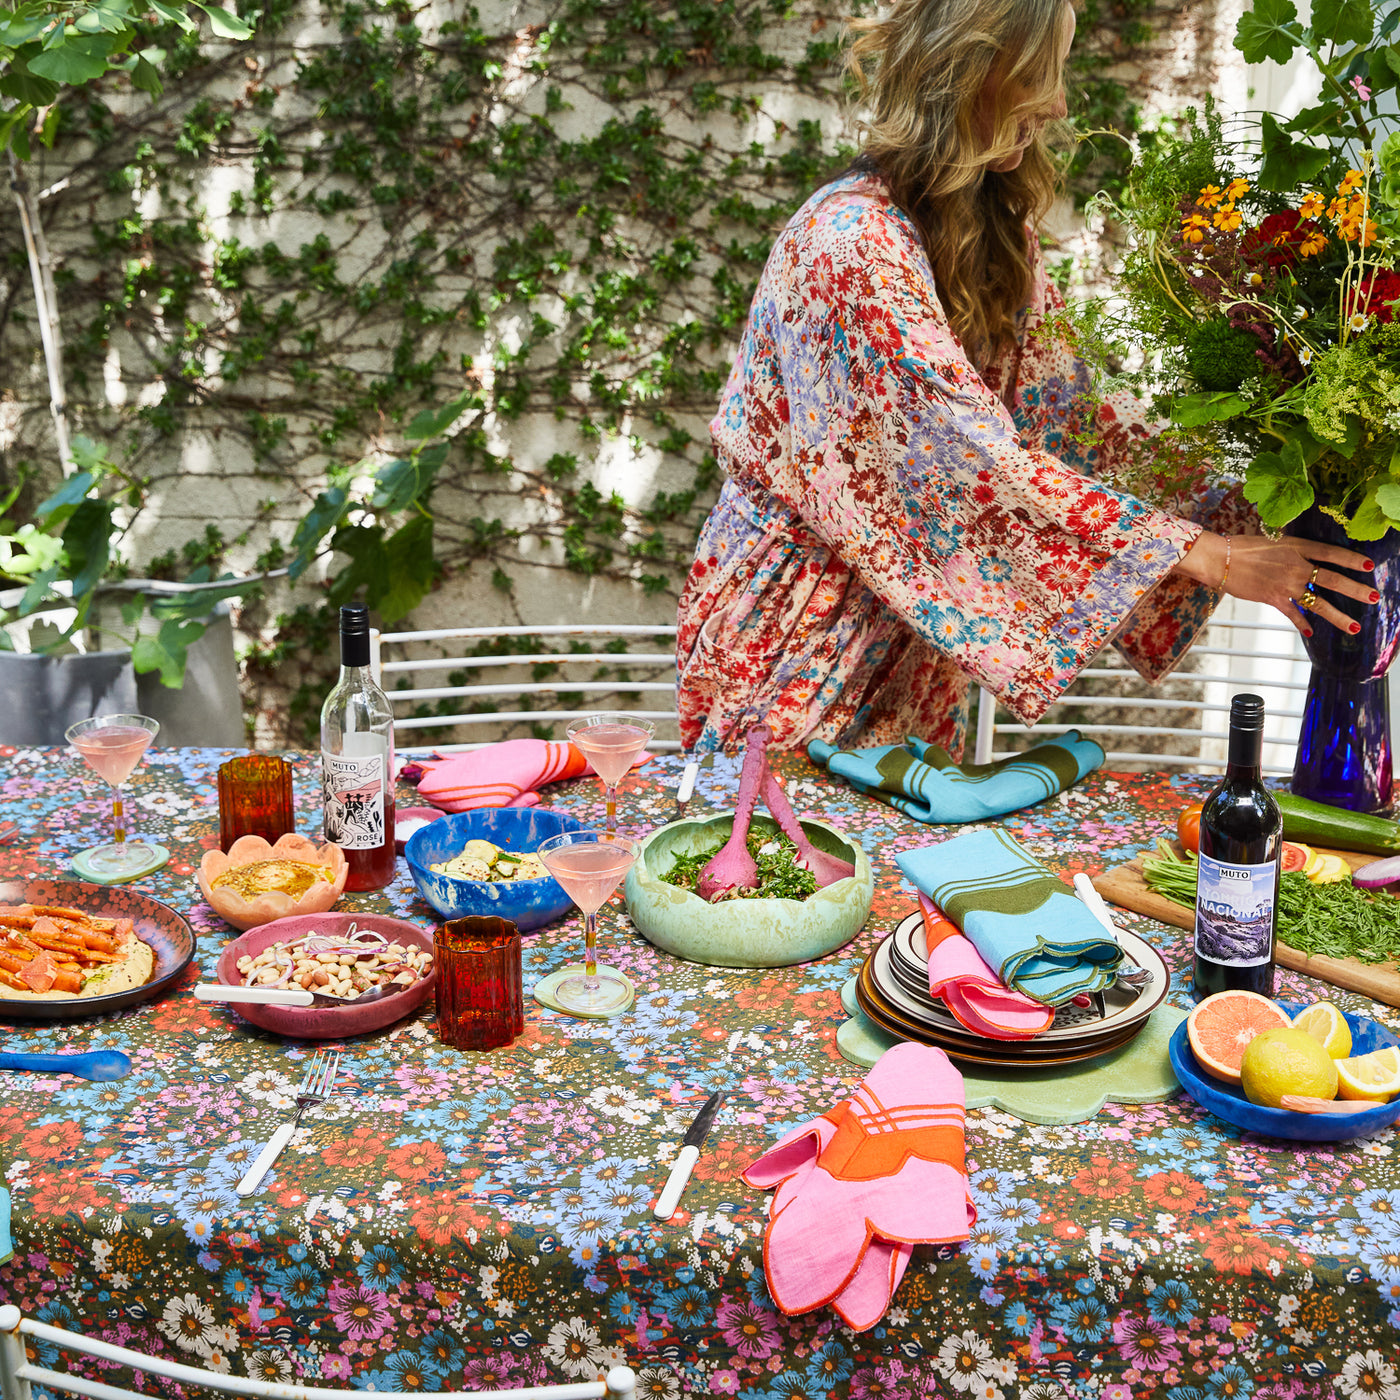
column 353, row 789
column 1235, row 912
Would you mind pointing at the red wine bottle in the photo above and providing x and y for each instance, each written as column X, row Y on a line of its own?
column 1240, row 856
column 357, row 761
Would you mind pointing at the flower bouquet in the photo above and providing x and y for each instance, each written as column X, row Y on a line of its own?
column 1260, row 294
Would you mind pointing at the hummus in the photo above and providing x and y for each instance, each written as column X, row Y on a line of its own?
column 118, row 961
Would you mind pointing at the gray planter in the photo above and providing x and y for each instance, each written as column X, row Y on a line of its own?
column 40, row 696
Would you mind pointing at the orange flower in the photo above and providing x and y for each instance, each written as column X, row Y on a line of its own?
column 1174, row 1191
column 1312, row 244
column 51, row 1142
column 360, row 1148
column 1105, row 1179
column 416, row 1161
column 1311, row 207
column 1193, row 228
column 1232, row 1251
column 64, row 1193
column 1210, row 196
column 438, row 1218
column 1235, row 189
column 1352, row 180
column 1228, row 220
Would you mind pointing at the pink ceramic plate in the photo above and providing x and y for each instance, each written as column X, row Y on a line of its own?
column 326, row 1022
column 407, row 814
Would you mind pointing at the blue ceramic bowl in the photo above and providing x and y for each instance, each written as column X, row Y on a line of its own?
column 529, row 904
column 1227, row 1101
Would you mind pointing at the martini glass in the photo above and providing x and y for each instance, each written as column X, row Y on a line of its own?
column 113, row 745
column 590, row 866
column 610, row 743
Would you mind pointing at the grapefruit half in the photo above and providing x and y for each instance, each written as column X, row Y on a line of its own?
column 1222, row 1025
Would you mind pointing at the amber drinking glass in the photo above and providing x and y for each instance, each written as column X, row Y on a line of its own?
column 255, row 798
column 480, row 1001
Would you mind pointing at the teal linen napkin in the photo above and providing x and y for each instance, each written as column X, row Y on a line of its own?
column 7, row 1245
column 1026, row 923
column 923, row 782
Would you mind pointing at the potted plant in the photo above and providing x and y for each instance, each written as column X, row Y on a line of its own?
column 58, row 561
column 1261, row 283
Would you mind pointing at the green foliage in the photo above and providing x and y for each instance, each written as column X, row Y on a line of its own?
column 1221, row 356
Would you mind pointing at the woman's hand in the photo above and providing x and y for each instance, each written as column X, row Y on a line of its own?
column 1277, row 572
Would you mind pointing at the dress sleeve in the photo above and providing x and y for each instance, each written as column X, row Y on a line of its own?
column 1016, row 565
column 1057, row 412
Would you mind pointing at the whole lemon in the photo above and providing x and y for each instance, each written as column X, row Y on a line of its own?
column 1286, row 1061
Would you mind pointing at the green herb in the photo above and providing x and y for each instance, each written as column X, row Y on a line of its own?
column 779, row 875
column 1336, row 920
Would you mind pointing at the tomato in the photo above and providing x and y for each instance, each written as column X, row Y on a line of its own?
column 1296, row 856
column 1188, row 827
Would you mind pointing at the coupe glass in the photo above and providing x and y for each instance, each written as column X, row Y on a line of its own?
column 611, row 742
column 112, row 746
column 590, row 866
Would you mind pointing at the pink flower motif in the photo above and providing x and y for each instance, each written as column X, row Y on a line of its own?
column 725, row 1382
column 1145, row 1343
column 359, row 1312
column 335, row 1368
column 1362, row 91
column 750, row 1329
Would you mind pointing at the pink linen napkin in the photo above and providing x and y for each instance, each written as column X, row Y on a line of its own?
column 500, row 775
column 858, row 1187
column 972, row 992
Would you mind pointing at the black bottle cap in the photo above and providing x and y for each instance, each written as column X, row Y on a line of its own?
column 354, row 635
column 1247, row 712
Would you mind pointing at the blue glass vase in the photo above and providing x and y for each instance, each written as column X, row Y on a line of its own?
column 1344, row 742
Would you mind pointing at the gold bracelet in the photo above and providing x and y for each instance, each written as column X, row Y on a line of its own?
column 1220, row 587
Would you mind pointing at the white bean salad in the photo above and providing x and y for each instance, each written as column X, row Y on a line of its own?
column 337, row 964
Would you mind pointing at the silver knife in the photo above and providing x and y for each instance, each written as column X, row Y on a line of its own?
column 690, row 1152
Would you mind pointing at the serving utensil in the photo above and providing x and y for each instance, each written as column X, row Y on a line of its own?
column 1129, row 973
column 315, row 1088
column 90, row 1064
column 291, row 996
column 694, row 1139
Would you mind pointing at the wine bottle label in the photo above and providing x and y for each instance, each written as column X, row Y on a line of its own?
column 353, row 790
column 1235, row 912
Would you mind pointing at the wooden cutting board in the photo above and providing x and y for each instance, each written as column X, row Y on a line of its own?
column 1124, row 885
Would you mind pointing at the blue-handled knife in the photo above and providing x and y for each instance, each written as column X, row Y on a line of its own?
column 690, row 1153
column 94, row 1064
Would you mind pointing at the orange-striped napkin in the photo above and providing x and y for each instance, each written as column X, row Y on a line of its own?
column 508, row 774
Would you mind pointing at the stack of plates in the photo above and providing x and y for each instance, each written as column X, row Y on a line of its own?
column 893, row 991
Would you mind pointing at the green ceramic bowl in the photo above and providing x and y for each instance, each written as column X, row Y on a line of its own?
column 745, row 932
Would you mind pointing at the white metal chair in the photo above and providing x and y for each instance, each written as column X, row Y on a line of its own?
column 18, row 1374
column 409, row 655
column 1239, row 651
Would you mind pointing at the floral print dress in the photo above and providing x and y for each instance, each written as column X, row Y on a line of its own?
column 896, row 526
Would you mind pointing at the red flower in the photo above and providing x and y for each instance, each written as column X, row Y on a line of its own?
column 439, row 1218
column 416, row 1162
column 1094, row 511
column 1174, row 1191
column 51, row 1142
column 1277, row 239
column 64, row 1193
column 357, row 1150
column 1377, row 293
column 1105, row 1179
column 1230, row 1249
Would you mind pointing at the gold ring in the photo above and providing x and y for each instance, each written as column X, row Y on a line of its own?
column 1312, row 579
column 1307, row 600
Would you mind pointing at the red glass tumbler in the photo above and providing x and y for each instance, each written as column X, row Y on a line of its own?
column 255, row 798
column 480, row 1002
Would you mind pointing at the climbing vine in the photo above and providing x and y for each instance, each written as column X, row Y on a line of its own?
column 404, row 302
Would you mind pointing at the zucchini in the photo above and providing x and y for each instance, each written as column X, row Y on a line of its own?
column 1319, row 825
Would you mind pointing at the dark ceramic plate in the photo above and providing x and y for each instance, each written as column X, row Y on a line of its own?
column 167, row 931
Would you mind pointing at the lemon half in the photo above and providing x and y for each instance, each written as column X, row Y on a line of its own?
column 1374, row 1076
column 1327, row 1026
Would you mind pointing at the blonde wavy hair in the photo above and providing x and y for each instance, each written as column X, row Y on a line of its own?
column 919, row 72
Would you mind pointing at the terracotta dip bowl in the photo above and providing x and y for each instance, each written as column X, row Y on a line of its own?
column 245, row 910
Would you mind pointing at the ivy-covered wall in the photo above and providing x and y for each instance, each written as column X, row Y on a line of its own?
column 558, row 209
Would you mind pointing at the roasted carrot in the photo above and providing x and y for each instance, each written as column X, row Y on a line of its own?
column 10, row 980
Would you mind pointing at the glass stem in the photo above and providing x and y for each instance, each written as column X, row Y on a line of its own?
column 612, row 811
column 590, row 958
column 118, row 815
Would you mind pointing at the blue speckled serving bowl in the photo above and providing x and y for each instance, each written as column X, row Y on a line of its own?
column 1227, row 1101
column 529, row 904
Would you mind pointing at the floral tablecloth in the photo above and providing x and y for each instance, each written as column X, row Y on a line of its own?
column 471, row 1221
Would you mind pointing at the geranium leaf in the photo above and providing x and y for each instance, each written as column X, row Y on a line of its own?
column 1372, row 519
column 1287, row 163
column 1342, row 21
column 75, row 60
column 167, row 651
column 433, row 421
column 86, row 538
column 1277, row 483
column 315, row 525
column 411, row 569
column 69, row 494
column 1268, row 30
column 1191, row 410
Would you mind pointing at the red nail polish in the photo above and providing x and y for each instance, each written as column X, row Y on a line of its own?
column 1370, row 564
column 1354, row 628
column 1375, row 597
column 1308, row 633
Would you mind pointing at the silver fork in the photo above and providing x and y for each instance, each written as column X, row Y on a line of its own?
column 315, row 1088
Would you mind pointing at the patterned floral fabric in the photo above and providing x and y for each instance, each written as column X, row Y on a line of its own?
column 470, row 1221
column 896, row 527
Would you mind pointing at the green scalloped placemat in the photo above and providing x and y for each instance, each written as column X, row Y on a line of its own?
column 1139, row 1072
column 79, row 862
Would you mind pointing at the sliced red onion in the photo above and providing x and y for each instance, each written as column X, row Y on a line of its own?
column 1378, row 875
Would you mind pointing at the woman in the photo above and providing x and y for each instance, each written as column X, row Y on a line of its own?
column 911, row 504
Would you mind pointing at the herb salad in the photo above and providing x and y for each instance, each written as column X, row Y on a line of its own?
column 779, row 875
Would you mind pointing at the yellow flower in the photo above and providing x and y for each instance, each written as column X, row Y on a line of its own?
column 1255, row 279
column 1228, row 220
column 1193, row 227
column 1303, row 313
column 1305, row 356
column 1350, row 181
column 1312, row 244
column 1358, row 322
column 1236, row 188
column 1311, row 207
column 1210, row 196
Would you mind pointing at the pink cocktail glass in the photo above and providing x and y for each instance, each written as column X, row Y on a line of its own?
column 590, row 866
column 112, row 746
column 611, row 743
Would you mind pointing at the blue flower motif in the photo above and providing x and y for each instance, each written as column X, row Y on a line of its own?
column 380, row 1268
column 847, row 217
column 622, row 1308
column 1017, row 1319
column 1229, row 1380
column 1172, row 1303
column 300, row 1284
column 789, row 1385
column 688, row 1306
column 943, row 625
column 233, row 1283
column 734, row 413
column 1382, row 1257
column 1081, row 1319
column 441, row 1354
column 830, row 1365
